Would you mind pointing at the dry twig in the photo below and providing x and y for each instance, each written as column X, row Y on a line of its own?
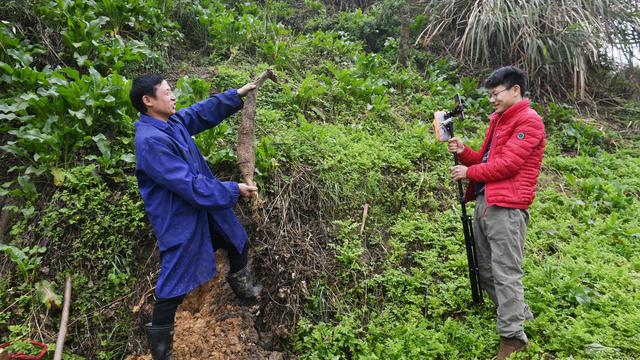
column 65, row 318
column 365, row 210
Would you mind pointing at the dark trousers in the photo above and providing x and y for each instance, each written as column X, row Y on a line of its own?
column 164, row 310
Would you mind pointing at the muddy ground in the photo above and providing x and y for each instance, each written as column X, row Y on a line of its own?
column 292, row 235
column 211, row 324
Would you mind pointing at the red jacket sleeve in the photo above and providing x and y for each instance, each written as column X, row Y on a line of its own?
column 469, row 157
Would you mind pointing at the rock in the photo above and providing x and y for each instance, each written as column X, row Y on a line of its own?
column 276, row 355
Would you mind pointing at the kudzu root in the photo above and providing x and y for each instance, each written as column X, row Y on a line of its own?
column 246, row 151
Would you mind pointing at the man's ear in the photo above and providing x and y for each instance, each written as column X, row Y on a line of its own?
column 519, row 89
column 146, row 100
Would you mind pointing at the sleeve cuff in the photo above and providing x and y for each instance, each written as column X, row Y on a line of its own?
column 235, row 98
column 234, row 189
column 471, row 173
column 464, row 155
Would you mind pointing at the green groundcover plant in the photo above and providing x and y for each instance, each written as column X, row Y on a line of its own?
column 358, row 123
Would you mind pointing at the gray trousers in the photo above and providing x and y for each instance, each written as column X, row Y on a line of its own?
column 499, row 234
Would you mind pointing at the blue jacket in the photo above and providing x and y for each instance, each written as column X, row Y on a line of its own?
column 180, row 191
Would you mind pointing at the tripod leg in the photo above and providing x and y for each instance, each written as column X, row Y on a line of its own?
column 475, row 268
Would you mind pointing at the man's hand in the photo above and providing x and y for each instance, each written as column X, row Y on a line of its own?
column 246, row 190
column 455, row 146
column 245, row 89
column 458, row 172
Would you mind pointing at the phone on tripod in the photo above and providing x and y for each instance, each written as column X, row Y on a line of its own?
column 443, row 121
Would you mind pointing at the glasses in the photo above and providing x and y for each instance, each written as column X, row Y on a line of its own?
column 495, row 94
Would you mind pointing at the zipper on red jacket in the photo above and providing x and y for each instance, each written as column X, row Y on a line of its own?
column 491, row 138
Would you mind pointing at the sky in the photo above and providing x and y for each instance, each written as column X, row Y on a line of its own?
column 618, row 56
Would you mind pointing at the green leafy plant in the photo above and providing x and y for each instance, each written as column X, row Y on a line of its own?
column 93, row 31
column 52, row 126
column 27, row 259
column 344, row 128
column 21, row 347
column 47, row 295
column 348, row 246
column 90, row 223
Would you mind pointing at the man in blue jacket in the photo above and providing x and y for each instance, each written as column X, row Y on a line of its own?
column 191, row 211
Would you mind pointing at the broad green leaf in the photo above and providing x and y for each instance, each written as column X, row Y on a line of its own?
column 9, row 116
column 80, row 59
column 6, row 108
column 72, row 73
column 58, row 176
column 39, row 170
column 24, row 58
column 103, row 145
column 6, row 67
column 95, row 75
column 27, row 186
column 15, row 254
column 81, row 115
column 28, row 96
column 48, row 92
column 128, row 158
column 58, row 81
column 28, row 212
column 47, row 295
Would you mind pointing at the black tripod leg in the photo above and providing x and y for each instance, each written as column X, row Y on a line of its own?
column 478, row 300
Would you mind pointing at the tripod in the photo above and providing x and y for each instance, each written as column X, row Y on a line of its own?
column 467, row 226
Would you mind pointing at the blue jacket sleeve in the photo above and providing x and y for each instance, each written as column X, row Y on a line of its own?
column 210, row 112
column 168, row 169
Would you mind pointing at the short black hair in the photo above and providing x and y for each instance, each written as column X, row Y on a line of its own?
column 507, row 76
column 144, row 85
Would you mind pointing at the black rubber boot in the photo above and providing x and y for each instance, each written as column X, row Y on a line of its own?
column 243, row 284
column 160, row 340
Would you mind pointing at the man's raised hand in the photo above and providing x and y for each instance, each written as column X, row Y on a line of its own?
column 245, row 89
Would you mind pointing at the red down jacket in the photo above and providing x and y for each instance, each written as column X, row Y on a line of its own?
column 511, row 171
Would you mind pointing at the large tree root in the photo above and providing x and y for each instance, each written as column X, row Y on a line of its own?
column 246, row 136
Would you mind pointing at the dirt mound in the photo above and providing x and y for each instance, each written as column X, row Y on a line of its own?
column 211, row 324
column 289, row 240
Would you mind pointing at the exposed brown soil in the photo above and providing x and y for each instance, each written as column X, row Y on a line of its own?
column 288, row 253
column 211, row 324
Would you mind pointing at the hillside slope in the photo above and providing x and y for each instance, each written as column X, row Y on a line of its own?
column 347, row 128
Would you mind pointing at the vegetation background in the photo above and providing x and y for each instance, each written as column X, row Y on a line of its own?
column 348, row 125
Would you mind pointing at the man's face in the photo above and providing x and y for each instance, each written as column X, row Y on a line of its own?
column 163, row 104
column 502, row 97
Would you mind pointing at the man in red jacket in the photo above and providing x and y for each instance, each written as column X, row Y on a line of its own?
column 502, row 179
